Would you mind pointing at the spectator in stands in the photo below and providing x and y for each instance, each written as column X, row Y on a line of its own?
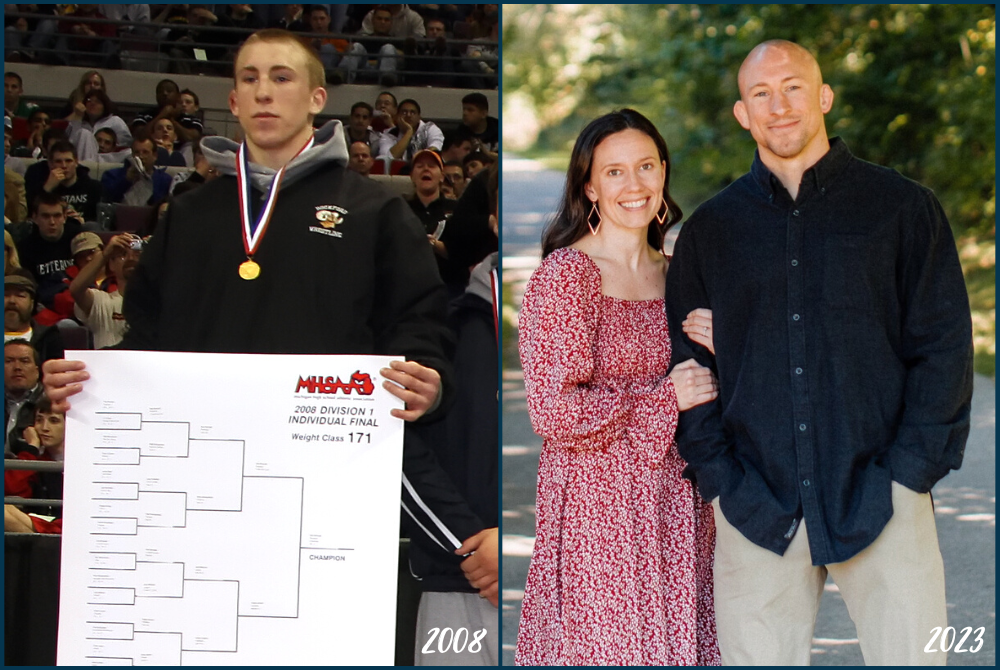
column 14, row 104
column 40, row 36
column 192, row 117
column 360, row 159
column 359, row 127
column 128, row 13
column 482, row 56
column 328, row 48
column 38, row 122
column 107, row 141
column 16, row 32
column 434, row 28
column 168, row 105
column 454, row 175
column 43, row 440
column 139, row 182
column 465, row 442
column 374, row 48
column 91, row 80
column 233, row 16
column 478, row 123
column 188, row 25
column 19, row 291
column 239, row 16
column 68, row 180
column 435, row 57
column 474, row 163
column 396, row 21
column 50, row 136
column 168, row 151
column 15, row 203
column 100, row 311
column 203, row 171
column 36, row 173
column 10, row 258
column 386, row 113
column 22, row 390
column 449, row 14
column 81, row 41
column 293, row 20
column 47, row 251
column 434, row 211
column 472, row 236
column 480, row 20
column 411, row 134
column 457, row 145
column 191, row 106
column 447, row 191
column 13, row 195
column 84, row 246
column 94, row 113
column 167, row 95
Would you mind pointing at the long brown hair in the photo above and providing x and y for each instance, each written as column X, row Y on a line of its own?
column 570, row 222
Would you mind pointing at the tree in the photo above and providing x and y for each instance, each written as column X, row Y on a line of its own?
column 914, row 84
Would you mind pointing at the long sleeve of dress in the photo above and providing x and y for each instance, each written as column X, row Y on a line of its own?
column 558, row 342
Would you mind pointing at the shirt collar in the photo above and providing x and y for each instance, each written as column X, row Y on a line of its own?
column 819, row 175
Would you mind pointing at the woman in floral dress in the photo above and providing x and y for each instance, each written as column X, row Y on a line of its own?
column 622, row 567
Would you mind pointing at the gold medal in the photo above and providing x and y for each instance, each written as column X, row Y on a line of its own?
column 249, row 270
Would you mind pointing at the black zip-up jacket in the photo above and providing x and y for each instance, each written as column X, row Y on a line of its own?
column 363, row 284
column 465, row 440
column 843, row 344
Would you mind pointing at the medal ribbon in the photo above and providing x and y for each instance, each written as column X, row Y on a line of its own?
column 252, row 236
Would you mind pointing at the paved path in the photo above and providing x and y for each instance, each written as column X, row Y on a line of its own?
column 965, row 500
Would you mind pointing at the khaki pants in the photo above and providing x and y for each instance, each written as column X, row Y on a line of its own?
column 766, row 605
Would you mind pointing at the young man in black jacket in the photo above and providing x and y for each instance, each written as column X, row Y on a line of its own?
column 365, row 285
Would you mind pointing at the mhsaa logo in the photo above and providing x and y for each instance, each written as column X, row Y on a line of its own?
column 359, row 381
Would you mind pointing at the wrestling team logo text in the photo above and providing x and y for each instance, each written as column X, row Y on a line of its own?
column 329, row 217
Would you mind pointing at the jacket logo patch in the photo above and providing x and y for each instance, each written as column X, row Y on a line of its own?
column 329, row 217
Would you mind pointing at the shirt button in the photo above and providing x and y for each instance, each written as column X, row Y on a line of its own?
column 795, row 317
column 794, row 263
column 795, row 213
column 822, row 190
column 805, row 482
column 798, row 371
column 802, row 426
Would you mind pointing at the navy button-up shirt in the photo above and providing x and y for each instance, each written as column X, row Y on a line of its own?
column 843, row 343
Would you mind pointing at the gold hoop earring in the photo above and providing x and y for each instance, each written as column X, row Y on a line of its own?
column 594, row 228
column 660, row 218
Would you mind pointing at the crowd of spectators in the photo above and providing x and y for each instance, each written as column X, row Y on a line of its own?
column 67, row 268
column 418, row 45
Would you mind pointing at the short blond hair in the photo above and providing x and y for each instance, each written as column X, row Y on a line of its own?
column 317, row 76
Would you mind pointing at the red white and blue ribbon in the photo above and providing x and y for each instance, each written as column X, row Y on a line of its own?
column 253, row 235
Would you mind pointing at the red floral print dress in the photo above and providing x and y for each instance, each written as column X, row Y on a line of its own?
column 622, row 568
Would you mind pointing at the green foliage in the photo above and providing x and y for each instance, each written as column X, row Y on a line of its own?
column 914, row 84
column 914, row 90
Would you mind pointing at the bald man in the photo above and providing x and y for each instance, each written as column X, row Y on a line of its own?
column 843, row 345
